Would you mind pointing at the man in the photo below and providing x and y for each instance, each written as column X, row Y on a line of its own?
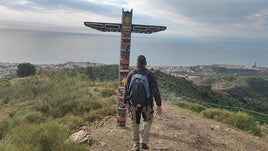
column 142, row 109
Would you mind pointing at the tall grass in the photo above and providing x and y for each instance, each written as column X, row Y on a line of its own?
column 38, row 113
column 39, row 137
column 240, row 120
column 191, row 106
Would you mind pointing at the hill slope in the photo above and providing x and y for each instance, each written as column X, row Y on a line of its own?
column 176, row 129
column 53, row 104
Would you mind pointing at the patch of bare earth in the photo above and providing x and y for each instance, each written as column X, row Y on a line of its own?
column 178, row 130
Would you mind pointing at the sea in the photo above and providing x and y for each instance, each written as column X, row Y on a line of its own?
column 50, row 47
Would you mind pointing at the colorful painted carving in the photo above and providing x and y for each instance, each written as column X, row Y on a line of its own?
column 126, row 28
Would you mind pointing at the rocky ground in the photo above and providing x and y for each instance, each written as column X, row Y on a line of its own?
column 175, row 129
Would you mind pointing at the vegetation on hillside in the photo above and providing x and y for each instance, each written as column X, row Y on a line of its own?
column 240, row 120
column 251, row 92
column 196, row 93
column 40, row 112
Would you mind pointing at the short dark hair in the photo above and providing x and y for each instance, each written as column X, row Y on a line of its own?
column 141, row 60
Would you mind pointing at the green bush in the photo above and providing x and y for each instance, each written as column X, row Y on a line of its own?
column 191, row 106
column 265, row 128
column 64, row 108
column 247, row 123
column 73, row 122
column 43, row 137
column 107, row 92
column 243, row 121
column 42, row 107
column 240, row 120
column 25, row 69
column 11, row 113
column 34, row 117
column 5, row 100
column 6, row 125
column 197, row 108
column 216, row 114
column 88, row 105
column 183, row 104
column 101, row 113
column 101, row 73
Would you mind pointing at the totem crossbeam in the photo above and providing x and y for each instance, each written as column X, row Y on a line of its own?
column 126, row 28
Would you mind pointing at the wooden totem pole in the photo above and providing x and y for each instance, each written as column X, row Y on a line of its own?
column 126, row 28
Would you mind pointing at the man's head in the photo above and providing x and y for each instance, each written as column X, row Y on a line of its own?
column 141, row 61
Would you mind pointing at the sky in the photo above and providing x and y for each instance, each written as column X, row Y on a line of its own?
column 198, row 32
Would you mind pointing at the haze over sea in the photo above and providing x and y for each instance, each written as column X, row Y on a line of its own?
column 41, row 47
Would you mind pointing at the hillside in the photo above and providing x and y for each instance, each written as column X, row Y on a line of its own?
column 250, row 92
column 41, row 112
column 175, row 129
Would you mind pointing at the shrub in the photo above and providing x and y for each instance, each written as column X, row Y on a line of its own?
column 216, row 114
column 256, row 130
column 11, row 113
column 25, row 69
column 5, row 100
column 6, row 125
column 106, row 111
column 243, row 121
column 44, row 108
column 73, row 122
column 107, row 92
column 88, row 105
column 42, row 137
column 197, row 108
column 240, row 120
column 183, row 104
column 247, row 123
column 265, row 128
column 98, row 114
column 191, row 106
column 64, row 108
column 34, row 117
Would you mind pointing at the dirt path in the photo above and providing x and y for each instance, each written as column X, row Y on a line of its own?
column 176, row 130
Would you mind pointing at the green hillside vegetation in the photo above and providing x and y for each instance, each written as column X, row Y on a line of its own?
column 251, row 92
column 40, row 112
column 240, row 120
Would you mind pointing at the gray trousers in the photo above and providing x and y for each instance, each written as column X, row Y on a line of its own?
column 136, row 114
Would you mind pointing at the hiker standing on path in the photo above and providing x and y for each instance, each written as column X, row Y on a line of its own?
column 140, row 91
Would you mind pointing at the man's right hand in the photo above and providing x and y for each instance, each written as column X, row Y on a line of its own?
column 159, row 110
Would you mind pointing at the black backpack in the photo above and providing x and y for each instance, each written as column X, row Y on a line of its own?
column 139, row 90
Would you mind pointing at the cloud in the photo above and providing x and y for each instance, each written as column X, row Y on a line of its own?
column 34, row 14
column 224, row 18
column 259, row 19
column 208, row 17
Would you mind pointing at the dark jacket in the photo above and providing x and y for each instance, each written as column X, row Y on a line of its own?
column 152, row 85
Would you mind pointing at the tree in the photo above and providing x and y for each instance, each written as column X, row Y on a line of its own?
column 25, row 69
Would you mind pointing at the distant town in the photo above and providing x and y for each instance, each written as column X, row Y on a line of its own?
column 8, row 70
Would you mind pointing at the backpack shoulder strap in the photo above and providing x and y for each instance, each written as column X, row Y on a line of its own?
column 147, row 72
column 134, row 72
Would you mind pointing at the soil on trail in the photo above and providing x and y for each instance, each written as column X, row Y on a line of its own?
column 175, row 129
